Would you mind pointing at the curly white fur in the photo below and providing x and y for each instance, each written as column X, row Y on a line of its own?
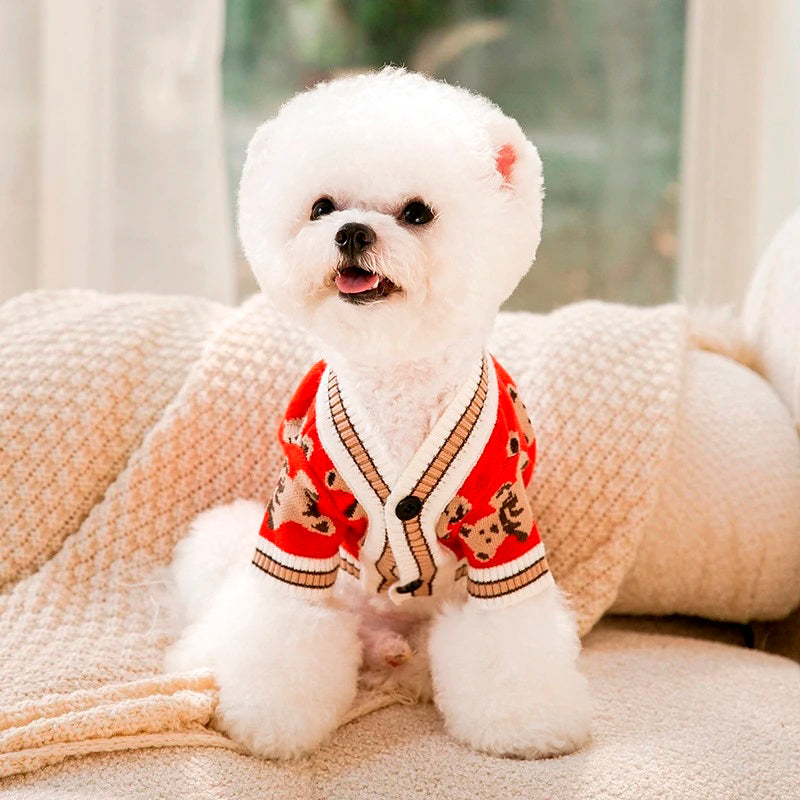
column 506, row 680
column 218, row 541
column 286, row 668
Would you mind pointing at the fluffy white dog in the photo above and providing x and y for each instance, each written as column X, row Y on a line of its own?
column 390, row 215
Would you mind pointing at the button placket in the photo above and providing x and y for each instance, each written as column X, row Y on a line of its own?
column 406, row 509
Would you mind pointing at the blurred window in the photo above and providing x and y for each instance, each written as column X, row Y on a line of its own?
column 596, row 84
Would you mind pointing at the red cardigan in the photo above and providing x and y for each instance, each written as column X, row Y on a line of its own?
column 460, row 508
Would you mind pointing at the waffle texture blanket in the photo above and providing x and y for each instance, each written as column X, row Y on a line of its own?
column 123, row 417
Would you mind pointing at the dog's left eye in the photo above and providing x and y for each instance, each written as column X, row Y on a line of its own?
column 417, row 213
column 322, row 207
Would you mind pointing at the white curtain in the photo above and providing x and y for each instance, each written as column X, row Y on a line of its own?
column 112, row 172
column 741, row 141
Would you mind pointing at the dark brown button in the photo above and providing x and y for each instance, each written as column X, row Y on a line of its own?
column 410, row 587
column 408, row 508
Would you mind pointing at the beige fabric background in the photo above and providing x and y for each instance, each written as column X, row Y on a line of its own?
column 676, row 718
column 772, row 314
column 723, row 540
column 122, row 417
column 126, row 416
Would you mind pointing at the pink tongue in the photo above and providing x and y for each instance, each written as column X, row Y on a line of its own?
column 354, row 281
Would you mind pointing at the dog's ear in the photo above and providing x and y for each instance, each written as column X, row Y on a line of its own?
column 259, row 144
column 516, row 159
column 252, row 198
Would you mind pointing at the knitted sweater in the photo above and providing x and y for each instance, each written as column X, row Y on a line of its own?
column 460, row 508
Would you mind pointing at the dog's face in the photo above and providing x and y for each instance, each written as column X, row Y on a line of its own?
column 390, row 214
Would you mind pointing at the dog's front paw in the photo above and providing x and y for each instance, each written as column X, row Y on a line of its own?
column 286, row 668
column 284, row 710
column 506, row 679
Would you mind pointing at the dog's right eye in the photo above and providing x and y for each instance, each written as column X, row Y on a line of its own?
column 322, row 207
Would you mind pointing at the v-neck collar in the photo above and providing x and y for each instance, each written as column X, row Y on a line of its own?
column 437, row 451
column 401, row 541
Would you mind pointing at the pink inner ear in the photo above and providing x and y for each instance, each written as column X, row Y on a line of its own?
column 505, row 159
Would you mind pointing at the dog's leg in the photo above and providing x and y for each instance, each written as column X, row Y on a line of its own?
column 218, row 540
column 506, row 679
column 286, row 667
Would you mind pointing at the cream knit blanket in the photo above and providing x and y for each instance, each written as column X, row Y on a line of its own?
column 123, row 417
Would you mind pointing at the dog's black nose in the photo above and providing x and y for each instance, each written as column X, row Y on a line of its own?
column 354, row 238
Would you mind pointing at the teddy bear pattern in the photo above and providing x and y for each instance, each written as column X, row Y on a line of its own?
column 511, row 517
column 296, row 499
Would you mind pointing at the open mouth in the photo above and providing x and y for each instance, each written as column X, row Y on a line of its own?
column 358, row 285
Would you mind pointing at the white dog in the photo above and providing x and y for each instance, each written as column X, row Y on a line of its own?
column 390, row 215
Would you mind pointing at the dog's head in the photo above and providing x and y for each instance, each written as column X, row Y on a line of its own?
column 390, row 214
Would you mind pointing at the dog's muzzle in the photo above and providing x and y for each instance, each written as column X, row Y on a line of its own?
column 356, row 283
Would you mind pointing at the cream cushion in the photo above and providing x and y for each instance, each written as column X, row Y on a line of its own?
column 724, row 538
column 772, row 314
column 678, row 715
